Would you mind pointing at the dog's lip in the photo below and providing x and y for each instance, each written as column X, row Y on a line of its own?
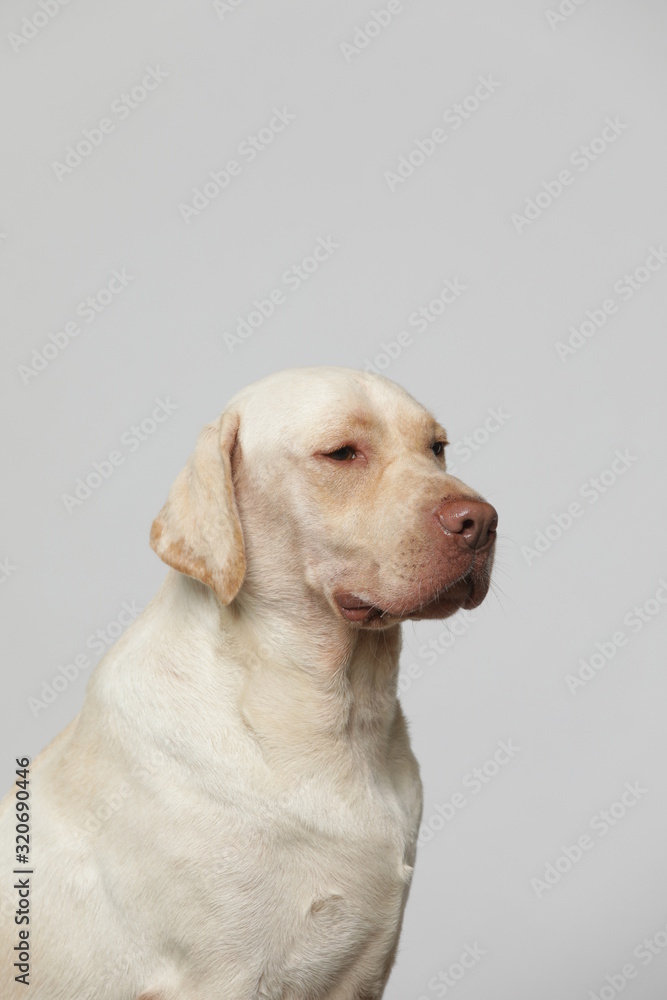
column 354, row 608
column 461, row 593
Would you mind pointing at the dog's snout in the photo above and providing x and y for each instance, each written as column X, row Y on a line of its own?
column 474, row 522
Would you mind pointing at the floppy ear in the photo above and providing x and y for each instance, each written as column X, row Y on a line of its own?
column 198, row 531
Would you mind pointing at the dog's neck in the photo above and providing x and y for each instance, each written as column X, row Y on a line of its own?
column 338, row 681
column 344, row 691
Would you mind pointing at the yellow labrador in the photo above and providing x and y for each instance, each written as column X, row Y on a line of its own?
column 233, row 815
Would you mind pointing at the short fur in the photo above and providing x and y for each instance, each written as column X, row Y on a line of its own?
column 234, row 812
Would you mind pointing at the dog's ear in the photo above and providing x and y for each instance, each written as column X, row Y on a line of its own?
column 198, row 531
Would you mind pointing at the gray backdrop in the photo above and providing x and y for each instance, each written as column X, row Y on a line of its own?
column 485, row 186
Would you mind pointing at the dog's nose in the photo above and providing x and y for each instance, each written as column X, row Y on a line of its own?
column 474, row 522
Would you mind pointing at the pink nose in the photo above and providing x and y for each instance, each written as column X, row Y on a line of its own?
column 472, row 522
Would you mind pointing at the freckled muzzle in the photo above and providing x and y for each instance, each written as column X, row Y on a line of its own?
column 465, row 534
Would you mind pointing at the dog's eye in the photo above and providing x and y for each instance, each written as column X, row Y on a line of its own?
column 438, row 448
column 344, row 454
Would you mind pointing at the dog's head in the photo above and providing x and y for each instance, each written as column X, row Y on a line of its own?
column 329, row 485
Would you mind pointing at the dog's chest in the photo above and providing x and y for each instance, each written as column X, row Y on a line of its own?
column 308, row 891
column 338, row 900
column 335, row 897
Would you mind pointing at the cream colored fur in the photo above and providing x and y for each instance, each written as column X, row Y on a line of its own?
column 242, row 741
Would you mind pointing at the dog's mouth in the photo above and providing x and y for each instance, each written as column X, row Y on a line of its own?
column 467, row 592
column 355, row 610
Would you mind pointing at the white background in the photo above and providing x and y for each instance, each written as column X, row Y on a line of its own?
column 556, row 79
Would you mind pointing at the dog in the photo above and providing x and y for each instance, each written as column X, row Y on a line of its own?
column 233, row 815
